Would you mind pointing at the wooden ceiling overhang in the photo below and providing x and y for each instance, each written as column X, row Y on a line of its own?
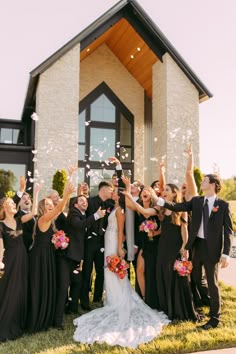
column 130, row 48
column 124, row 28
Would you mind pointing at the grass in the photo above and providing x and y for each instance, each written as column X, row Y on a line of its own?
column 176, row 338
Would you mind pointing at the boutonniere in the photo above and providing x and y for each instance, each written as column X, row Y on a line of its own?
column 215, row 209
column 108, row 210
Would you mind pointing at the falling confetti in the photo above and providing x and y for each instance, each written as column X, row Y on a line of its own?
column 34, row 116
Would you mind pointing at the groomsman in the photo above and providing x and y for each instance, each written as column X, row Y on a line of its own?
column 94, row 244
column 77, row 224
column 210, row 239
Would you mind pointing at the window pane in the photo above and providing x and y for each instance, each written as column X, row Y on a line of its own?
column 81, row 177
column 102, row 110
column 125, row 154
column 10, row 176
column 102, row 144
column 16, row 136
column 96, row 176
column 6, row 136
column 82, row 127
column 125, row 131
column 81, row 152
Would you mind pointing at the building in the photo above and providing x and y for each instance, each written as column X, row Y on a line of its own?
column 119, row 88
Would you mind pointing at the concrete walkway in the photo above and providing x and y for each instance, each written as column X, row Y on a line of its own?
column 228, row 276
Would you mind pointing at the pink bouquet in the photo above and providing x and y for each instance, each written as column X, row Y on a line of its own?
column 60, row 240
column 117, row 265
column 148, row 225
column 183, row 267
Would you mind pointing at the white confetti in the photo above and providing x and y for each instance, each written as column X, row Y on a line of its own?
column 34, row 116
column 87, row 123
column 34, row 151
column 34, row 159
column 102, row 249
column 155, row 139
column 29, row 173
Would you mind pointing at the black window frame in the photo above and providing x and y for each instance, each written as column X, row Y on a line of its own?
column 85, row 104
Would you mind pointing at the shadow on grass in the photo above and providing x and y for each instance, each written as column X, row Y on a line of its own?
column 176, row 338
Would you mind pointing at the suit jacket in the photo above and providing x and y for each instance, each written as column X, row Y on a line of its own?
column 219, row 227
column 77, row 224
column 28, row 228
column 98, row 228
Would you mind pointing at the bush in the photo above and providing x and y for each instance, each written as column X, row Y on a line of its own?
column 59, row 181
column 198, row 176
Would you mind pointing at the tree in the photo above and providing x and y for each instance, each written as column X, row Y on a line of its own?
column 59, row 181
column 198, row 176
column 7, row 181
column 228, row 191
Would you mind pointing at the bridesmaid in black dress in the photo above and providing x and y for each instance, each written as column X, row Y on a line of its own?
column 174, row 291
column 42, row 265
column 14, row 282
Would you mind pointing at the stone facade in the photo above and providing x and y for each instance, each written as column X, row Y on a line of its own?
column 103, row 65
column 56, row 135
column 175, row 110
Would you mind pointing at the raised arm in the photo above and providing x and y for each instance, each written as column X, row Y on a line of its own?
column 45, row 220
column 33, row 212
column 184, row 234
column 136, row 206
column 191, row 187
column 162, row 178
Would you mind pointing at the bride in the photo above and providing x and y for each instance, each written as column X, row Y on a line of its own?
column 125, row 319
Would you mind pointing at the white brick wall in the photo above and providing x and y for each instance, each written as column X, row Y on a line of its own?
column 57, row 100
column 175, row 119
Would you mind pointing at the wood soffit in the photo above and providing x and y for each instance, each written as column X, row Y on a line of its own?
column 130, row 49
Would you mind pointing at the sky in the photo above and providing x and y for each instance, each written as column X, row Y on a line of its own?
column 203, row 32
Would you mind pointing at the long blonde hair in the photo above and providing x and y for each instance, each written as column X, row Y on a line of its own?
column 41, row 211
column 2, row 207
column 175, row 216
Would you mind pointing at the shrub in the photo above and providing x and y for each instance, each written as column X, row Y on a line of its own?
column 59, row 181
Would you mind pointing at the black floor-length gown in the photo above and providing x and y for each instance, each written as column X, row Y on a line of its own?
column 42, row 282
column 149, row 252
column 174, row 291
column 14, row 283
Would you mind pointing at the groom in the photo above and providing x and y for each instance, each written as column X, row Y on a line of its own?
column 210, row 238
column 94, row 244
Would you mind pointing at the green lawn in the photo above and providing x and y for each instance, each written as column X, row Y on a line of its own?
column 176, row 338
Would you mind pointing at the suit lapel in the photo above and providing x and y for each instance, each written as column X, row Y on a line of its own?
column 215, row 208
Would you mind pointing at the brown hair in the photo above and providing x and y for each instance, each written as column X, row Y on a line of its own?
column 152, row 204
column 41, row 211
column 175, row 216
column 215, row 179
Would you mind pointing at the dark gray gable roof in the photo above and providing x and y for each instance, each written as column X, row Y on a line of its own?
column 142, row 23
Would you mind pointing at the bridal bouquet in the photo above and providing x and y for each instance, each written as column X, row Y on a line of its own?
column 60, row 240
column 117, row 265
column 183, row 267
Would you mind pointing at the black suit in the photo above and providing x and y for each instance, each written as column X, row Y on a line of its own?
column 94, row 250
column 76, row 225
column 207, row 251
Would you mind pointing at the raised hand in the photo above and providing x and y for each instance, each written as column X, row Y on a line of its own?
column 22, row 184
column 72, row 169
column 189, row 150
column 113, row 160
column 101, row 212
column 126, row 181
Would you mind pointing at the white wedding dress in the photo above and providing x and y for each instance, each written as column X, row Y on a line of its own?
column 125, row 319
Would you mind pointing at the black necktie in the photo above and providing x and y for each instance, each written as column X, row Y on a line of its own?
column 205, row 216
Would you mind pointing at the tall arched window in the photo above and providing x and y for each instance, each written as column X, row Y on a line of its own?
column 106, row 128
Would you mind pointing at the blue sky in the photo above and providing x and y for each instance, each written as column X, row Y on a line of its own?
column 203, row 32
